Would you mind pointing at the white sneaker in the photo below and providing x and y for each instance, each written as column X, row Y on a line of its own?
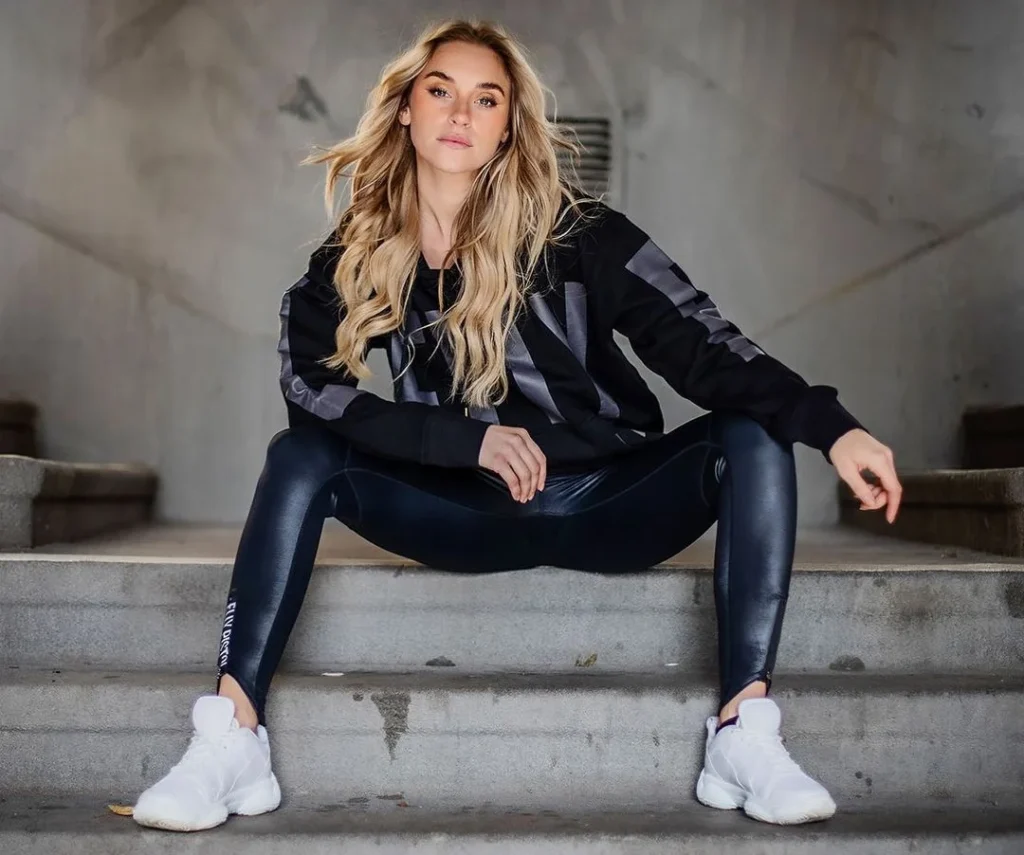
column 225, row 770
column 747, row 766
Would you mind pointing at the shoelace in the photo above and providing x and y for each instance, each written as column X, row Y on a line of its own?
column 774, row 750
column 200, row 752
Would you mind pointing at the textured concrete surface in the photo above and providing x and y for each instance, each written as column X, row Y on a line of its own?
column 857, row 603
column 826, row 171
column 557, row 741
column 388, row 827
column 46, row 501
column 975, row 508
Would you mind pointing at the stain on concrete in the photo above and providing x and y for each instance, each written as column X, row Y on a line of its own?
column 440, row 662
column 359, row 800
column 696, row 596
column 879, row 582
column 847, row 663
column 1014, row 594
column 394, row 709
column 590, row 739
column 582, row 662
column 914, row 607
column 975, row 111
column 357, row 696
column 655, row 739
column 858, row 775
column 303, row 101
column 392, row 797
column 855, row 202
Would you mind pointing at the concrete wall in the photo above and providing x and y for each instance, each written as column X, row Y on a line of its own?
column 844, row 178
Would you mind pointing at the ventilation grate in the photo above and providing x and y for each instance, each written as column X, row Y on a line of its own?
column 594, row 166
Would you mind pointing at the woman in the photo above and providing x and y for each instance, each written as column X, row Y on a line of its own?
column 518, row 427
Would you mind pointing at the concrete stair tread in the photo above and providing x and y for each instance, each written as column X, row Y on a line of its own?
column 83, row 825
column 43, row 501
column 443, row 679
column 60, row 478
column 816, row 548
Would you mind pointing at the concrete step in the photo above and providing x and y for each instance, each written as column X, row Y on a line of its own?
column 993, row 437
column 43, row 501
column 18, row 428
column 84, row 827
column 979, row 509
column 857, row 603
column 564, row 742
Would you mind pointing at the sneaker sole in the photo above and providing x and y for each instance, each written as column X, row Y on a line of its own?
column 714, row 792
column 261, row 797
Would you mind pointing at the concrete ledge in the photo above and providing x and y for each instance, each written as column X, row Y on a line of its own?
column 18, row 428
column 46, row 501
column 977, row 508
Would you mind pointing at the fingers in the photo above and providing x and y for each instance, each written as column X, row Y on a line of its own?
column 524, row 476
column 888, row 493
column 861, row 489
column 526, row 462
column 539, row 462
column 886, row 472
column 511, row 477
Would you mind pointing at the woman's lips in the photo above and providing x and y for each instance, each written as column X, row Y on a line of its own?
column 454, row 144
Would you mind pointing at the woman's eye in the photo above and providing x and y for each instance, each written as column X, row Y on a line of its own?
column 487, row 99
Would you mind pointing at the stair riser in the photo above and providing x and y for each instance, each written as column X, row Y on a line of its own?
column 996, row 530
column 111, row 615
column 554, row 749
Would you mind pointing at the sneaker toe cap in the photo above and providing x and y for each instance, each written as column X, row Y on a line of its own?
column 176, row 811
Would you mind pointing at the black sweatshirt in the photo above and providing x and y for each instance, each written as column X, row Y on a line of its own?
column 570, row 385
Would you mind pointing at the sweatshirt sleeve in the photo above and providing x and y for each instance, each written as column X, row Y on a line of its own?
column 422, row 433
column 679, row 333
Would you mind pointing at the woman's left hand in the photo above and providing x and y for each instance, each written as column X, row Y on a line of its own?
column 856, row 450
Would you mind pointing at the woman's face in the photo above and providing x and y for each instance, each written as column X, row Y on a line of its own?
column 461, row 94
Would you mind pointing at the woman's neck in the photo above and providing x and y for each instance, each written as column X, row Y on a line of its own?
column 440, row 196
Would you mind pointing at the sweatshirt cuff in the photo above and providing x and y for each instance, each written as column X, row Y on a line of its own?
column 823, row 419
column 453, row 440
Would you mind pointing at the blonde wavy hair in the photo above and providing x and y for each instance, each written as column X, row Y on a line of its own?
column 513, row 211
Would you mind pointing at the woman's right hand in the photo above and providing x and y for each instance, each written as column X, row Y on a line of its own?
column 512, row 454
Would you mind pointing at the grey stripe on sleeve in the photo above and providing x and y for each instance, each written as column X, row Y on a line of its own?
column 655, row 268
column 328, row 403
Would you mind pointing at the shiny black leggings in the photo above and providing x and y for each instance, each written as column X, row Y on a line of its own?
column 622, row 514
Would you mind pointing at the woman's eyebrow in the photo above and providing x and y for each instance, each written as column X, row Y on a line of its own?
column 450, row 79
